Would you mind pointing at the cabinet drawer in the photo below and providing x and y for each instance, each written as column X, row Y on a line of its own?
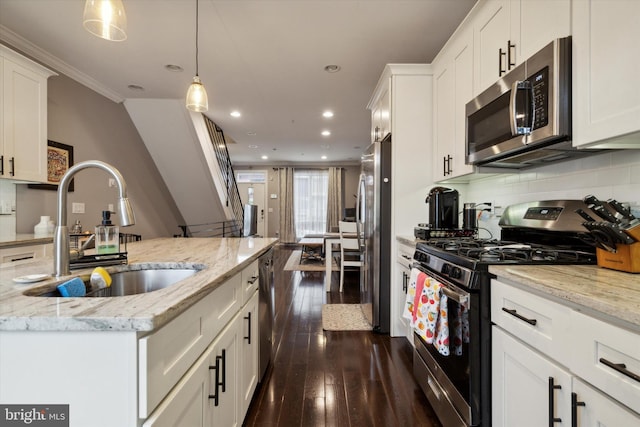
column 20, row 253
column 599, row 350
column 250, row 281
column 539, row 322
column 405, row 254
column 167, row 354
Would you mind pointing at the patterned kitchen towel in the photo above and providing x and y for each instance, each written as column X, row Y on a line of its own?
column 460, row 326
column 428, row 309
column 441, row 342
column 412, row 290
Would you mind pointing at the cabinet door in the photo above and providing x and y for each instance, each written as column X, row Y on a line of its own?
column 535, row 23
column 491, row 33
column 24, row 106
column 225, row 410
column 444, row 119
column 463, row 93
column 188, row 402
column 595, row 409
column 521, row 389
column 249, row 281
column 249, row 358
column 381, row 117
column 606, row 57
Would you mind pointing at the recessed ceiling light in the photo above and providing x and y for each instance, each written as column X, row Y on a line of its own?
column 324, row 157
column 235, row 114
column 137, row 88
column 251, row 133
column 332, row 68
column 174, row 68
column 265, row 157
column 326, row 133
column 327, row 114
column 253, row 146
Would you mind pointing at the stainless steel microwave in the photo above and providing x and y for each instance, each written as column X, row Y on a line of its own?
column 524, row 119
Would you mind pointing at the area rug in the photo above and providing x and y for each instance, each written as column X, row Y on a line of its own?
column 293, row 264
column 344, row 317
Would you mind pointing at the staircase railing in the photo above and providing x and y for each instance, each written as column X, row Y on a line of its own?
column 212, row 229
column 227, row 174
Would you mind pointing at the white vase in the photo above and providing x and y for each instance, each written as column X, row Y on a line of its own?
column 42, row 228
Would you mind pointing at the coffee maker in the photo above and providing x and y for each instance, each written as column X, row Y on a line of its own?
column 443, row 208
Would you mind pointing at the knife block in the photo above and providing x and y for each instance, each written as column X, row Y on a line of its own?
column 627, row 258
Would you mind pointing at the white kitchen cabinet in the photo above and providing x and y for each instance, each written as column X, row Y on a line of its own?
column 23, row 117
column 452, row 89
column 547, row 356
column 250, row 354
column 250, row 277
column 593, row 409
column 507, row 32
column 523, row 384
column 401, row 327
column 20, row 253
column 410, row 92
column 380, row 116
column 606, row 57
column 225, row 360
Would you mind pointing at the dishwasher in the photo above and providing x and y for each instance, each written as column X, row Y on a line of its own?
column 266, row 310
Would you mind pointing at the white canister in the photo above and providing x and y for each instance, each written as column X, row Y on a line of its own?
column 42, row 228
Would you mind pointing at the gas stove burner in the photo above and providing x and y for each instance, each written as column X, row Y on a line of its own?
column 490, row 256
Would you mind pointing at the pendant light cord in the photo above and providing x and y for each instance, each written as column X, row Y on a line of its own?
column 197, row 2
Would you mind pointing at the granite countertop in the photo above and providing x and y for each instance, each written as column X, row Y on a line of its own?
column 23, row 239
column 220, row 258
column 611, row 295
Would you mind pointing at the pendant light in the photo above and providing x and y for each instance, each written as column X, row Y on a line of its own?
column 105, row 19
column 197, row 95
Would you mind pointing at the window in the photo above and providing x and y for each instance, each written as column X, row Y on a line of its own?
column 310, row 192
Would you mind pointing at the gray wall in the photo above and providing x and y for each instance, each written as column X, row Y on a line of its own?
column 99, row 129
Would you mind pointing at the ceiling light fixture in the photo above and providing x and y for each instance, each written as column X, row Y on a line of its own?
column 235, row 114
column 197, row 95
column 265, row 157
column 332, row 68
column 324, row 157
column 105, row 19
column 327, row 114
column 326, row 133
column 174, row 68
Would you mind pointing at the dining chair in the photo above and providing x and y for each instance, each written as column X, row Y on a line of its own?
column 349, row 248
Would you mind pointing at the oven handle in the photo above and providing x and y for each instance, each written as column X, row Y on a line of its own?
column 451, row 291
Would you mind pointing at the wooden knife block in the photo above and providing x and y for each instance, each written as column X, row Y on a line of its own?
column 627, row 258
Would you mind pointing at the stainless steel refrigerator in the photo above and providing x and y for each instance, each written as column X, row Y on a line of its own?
column 374, row 224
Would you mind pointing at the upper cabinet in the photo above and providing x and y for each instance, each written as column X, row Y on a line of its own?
column 23, row 117
column 452, row 89
column 606, row 57
column 380, row 116
column 506, row 32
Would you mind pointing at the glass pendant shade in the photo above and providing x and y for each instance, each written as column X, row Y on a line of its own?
column 105, row 19
column 197, row 96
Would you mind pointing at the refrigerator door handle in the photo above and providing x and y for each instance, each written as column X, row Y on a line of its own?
column 359, row 198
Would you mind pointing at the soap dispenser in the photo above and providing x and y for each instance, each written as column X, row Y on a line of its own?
column 107, row 235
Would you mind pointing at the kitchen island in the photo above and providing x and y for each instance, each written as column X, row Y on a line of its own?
column 143, row 359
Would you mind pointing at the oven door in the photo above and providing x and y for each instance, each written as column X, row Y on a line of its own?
column 446, row 380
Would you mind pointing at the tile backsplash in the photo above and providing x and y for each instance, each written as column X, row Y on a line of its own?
column 610, row 175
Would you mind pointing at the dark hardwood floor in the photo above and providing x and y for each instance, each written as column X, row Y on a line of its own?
column 328, row 378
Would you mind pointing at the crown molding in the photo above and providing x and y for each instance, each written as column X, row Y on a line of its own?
column 25, row 46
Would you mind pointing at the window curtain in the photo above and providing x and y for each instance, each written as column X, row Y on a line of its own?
column 310, row 188
column 334, row 199
column 287, row 227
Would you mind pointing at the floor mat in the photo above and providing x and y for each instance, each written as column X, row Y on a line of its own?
column 293, row 264
column 344, row 317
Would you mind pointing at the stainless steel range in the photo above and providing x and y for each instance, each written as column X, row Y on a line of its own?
column 458, row 384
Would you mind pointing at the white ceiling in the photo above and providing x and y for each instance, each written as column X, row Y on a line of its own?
column 263, row 58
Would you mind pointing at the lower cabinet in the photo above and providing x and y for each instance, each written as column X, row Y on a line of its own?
column 402, row 271
column 535, row 384
column 218, row 388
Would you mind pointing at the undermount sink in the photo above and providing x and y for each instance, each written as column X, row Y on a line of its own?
column 132, row 282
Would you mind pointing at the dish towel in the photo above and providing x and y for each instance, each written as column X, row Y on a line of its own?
column 441, row 342
column 411, row 304
column 427, row 312
column 460, row 326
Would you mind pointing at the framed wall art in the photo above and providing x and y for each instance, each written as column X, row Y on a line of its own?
column 59, row 160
